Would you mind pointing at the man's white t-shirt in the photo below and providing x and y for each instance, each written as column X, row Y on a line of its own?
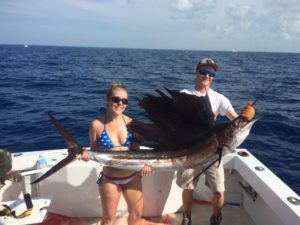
column 219, row 103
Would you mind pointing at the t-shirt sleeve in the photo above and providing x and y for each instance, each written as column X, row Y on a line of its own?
column 225, row 106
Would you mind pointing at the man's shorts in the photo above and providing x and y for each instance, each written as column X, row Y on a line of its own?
column 214, row 178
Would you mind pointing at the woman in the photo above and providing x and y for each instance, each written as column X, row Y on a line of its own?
column 110, row 132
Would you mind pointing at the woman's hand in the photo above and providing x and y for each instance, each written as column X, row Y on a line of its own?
column 85, row 156
column 146, row 170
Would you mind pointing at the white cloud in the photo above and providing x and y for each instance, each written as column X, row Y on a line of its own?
column 192, row 5
column 281, row 3
column 182, row 5
column 296, row 25
column 283, row 22
column 286, row 36
column 225, row 29
column 242, row 17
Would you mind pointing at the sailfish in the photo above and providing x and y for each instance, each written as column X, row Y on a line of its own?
column 182, row 133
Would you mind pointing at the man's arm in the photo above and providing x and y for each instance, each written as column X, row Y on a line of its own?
column 231, row 115
column 247, row 113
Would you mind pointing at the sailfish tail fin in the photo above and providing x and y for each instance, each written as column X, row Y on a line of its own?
column 73, row 146
column 73, row 149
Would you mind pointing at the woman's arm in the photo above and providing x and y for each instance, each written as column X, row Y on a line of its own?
column 95, row 127
column 94, row 143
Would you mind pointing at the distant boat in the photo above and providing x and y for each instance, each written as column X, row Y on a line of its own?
column 234, row 51
column 26, row 46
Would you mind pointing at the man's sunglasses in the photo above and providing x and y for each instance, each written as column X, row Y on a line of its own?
column 116, row 99
column 206, row 72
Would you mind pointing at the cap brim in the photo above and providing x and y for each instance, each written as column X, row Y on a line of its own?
column 209, row 64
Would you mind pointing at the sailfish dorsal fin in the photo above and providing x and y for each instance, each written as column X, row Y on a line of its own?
column 176, row 119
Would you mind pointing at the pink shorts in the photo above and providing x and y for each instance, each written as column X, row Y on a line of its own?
column 214, row 178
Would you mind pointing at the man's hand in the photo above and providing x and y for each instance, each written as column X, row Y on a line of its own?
column 248, row 112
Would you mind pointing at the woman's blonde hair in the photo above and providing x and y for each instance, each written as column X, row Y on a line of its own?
column 113, row 87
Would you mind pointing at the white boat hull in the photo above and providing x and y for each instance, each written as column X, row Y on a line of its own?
column 250, row 186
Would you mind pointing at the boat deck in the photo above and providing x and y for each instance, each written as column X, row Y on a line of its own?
column 254, row 195
column 201, row 212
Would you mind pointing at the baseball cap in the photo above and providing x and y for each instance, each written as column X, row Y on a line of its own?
column 207, row 62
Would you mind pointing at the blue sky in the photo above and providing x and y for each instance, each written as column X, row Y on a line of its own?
column 243, row 25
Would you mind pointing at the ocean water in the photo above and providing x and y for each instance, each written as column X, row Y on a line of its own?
column 71, row 82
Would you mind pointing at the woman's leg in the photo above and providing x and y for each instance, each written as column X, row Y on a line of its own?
column 133, row 195
column 110, row 196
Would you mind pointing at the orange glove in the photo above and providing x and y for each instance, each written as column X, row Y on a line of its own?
column 248, row 112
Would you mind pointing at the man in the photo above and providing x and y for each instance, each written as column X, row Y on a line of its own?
column 205, row 73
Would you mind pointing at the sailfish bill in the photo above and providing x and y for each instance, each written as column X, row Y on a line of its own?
column 183, row 134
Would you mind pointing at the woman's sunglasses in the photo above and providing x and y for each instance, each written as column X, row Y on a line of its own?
column 206, row 72
column 116, row 99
